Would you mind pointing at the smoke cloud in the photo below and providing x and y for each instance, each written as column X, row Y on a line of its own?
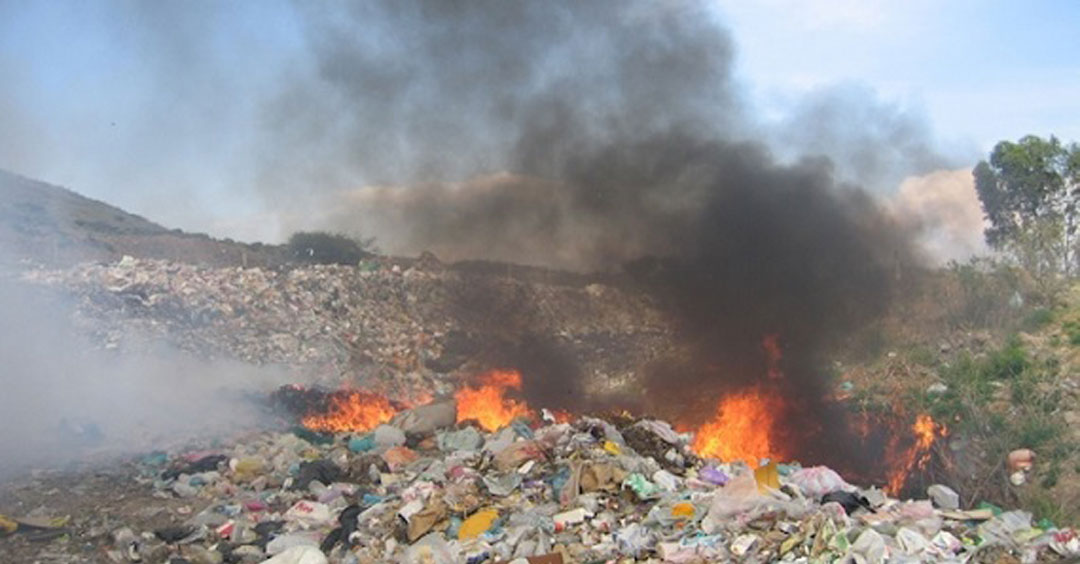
column 606, row 137
column 944, row 210
column 569, row 135
column 593, row 136
column 64, row 400
column 872, row 143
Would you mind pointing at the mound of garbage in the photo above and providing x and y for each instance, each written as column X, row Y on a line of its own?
column 378, row 318
column 427, row 489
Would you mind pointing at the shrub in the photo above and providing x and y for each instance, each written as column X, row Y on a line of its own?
column 993, row 424
column 329, row 248
column 923, row 356
column 982, row 293
column 1038, row 318
column 1007, row 362
column 1072, row 329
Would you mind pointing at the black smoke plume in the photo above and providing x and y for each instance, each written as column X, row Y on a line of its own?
column 605, row 136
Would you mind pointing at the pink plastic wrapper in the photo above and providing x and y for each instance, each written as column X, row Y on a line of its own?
column 817, row 481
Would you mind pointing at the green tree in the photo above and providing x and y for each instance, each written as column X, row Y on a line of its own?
column 1030, row 192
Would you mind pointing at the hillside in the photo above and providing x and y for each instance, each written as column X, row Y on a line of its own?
column 45, row 224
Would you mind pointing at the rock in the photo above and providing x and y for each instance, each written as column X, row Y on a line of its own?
column 943, row 497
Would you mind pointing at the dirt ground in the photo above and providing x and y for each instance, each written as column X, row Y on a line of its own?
column 94, row 501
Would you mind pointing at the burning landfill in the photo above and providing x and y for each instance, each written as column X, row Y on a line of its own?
column 465, row 466
column 665, row 397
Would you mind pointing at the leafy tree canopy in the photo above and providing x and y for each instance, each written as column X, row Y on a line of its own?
column 1026, row 185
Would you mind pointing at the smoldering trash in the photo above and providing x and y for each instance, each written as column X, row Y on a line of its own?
column 465, row 466
column 599, row 327
column 535, row 490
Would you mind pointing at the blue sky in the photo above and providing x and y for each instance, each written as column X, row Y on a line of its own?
column 155, row 106
column 982, row 71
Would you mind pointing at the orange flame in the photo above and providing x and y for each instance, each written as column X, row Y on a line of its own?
column 352, row 410
column 487, row 403
column 916, row 456
column 561, row 415
column 742, row 428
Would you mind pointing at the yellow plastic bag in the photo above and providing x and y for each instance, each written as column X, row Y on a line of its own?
column 7, row 525
column 767, row 477
column 475, row 525
column 248, row 468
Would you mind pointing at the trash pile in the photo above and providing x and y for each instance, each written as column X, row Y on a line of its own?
column 377, row 317
column 420, row 486
column 426, row 489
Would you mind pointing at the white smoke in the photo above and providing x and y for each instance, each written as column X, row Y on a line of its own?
column 944, row 209
column 63, row 399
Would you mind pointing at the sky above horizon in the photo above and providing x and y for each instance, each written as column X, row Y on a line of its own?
column 155, row 107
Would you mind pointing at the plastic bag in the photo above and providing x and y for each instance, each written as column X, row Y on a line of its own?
column 641, row 486
column 387, row 436
column 309, row 514
column 634, row 539
column 476, row 524
column 740, row 502
column 427, row 418
column 517, row 454
column 432, row 549
column 740, row 495
column 868, row 548
column 714, row 476
column 818, row 481
column 299, row 555
column 1002, row 529
column 467, row 439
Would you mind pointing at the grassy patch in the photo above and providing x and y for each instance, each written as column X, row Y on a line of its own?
column 1007, row 362
column 1035, row 432
column 1037, row 319
column 1006, row 400
column 1072, row 332
column 923, row 356
column 1045, row 505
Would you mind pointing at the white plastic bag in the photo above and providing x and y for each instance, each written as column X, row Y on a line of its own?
column 299, row 555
